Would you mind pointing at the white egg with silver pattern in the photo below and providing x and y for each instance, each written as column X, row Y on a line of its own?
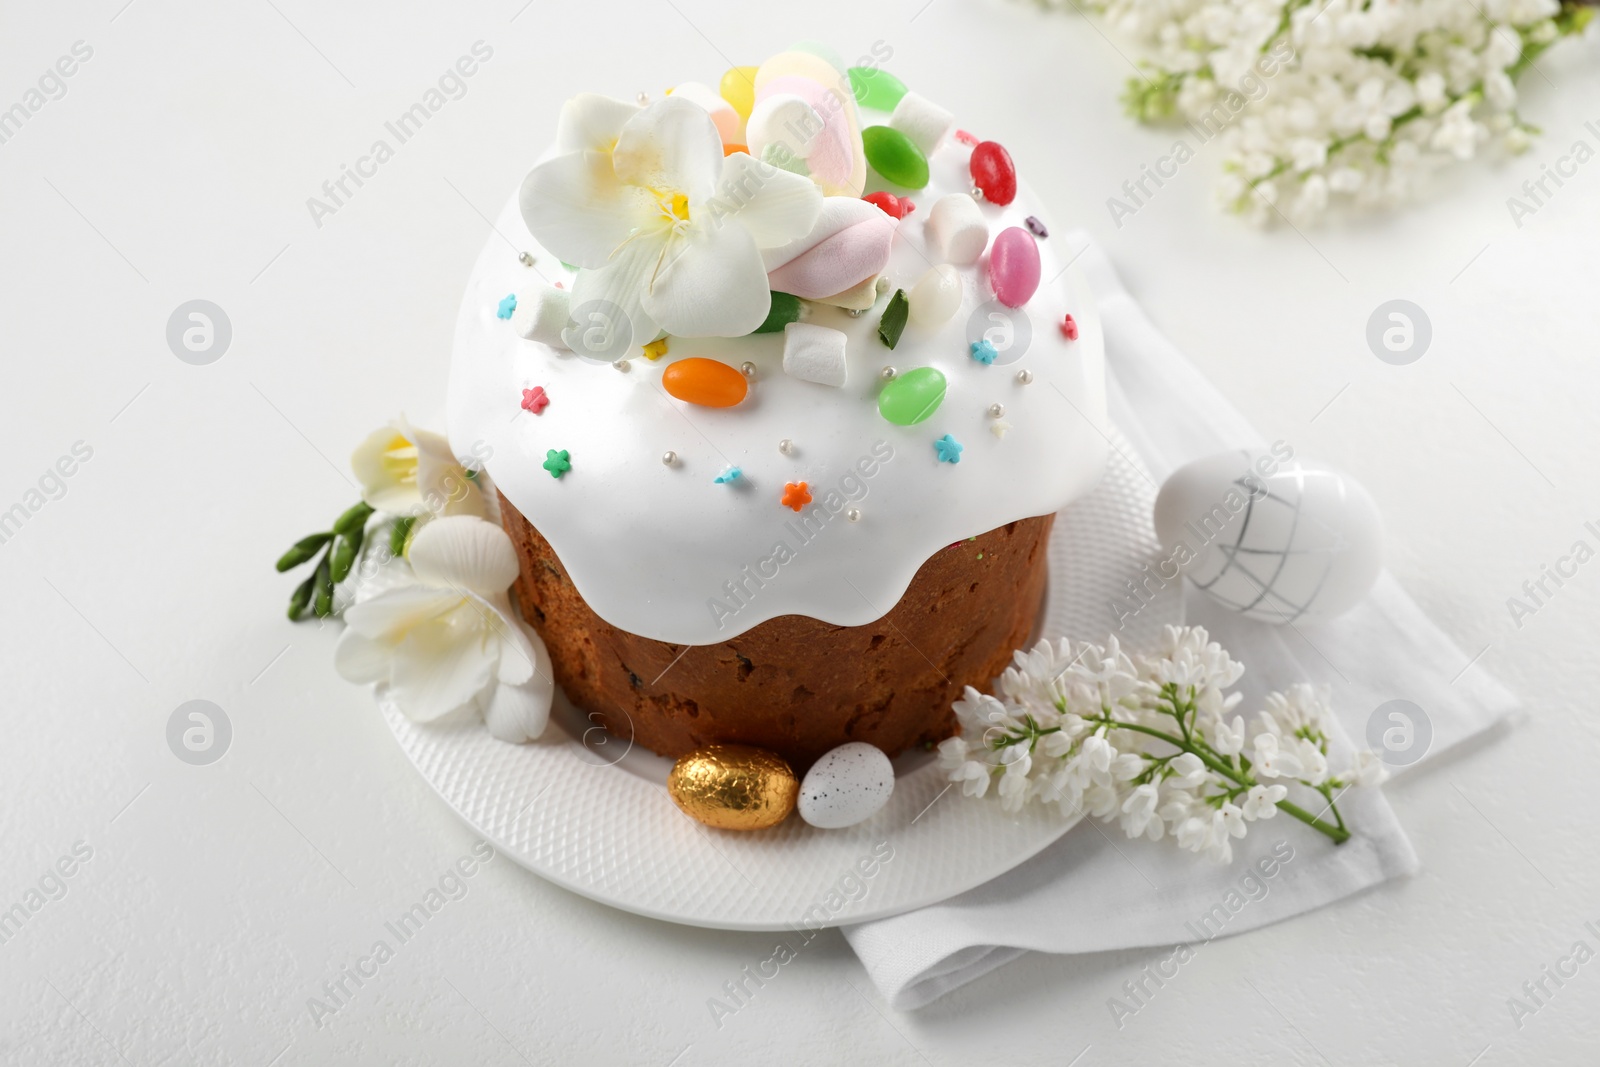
column 1271, row 536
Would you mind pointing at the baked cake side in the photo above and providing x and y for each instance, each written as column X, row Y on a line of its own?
column 794, row 685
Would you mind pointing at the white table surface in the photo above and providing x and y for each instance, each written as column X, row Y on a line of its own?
column 219, row 899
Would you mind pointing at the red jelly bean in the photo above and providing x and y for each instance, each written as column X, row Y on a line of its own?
column 994, row 174
column 896, row 207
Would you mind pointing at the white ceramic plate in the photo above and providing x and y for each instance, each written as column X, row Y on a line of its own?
column 591, row 812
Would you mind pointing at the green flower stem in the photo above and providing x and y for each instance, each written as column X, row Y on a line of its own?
column 1336, row 832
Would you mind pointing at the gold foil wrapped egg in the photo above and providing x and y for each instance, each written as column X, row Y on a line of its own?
column 734, row 787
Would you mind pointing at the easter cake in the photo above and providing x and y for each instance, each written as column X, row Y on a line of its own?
column 780, row 389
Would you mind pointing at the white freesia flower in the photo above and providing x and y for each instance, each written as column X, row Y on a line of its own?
column 662, row 225
column 440, row 632
column 408, row 471
column 1149, row 741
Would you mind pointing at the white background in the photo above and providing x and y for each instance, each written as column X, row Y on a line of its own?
column 220, row 898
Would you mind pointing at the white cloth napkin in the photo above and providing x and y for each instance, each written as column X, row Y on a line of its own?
column 1094, row 890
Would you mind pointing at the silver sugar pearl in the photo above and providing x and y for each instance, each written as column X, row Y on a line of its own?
column 748, row 368
column 977, row 194
column 888, row 374
column 855, row 313
column 882, row 284
column 1024, row 377
column 786, row 446
column 853, row 514
column 642, row 99
column 622, row 365
column 525, row 259
column 669, row 458
column 997, row 411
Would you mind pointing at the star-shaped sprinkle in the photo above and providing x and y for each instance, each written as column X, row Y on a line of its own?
column 1069, row 328
column 506, row 306
column 795, row 495
column 534, row 399
column 732, row 474
column 656, row 349
column 983, row 352
column 999, row 427
column 949, row 449
column 557, row 462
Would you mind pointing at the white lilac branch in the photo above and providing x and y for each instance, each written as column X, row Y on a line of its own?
column 1325, row 101
column 1151, row 742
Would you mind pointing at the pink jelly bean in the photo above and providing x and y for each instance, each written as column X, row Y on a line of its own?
column 1014, row 266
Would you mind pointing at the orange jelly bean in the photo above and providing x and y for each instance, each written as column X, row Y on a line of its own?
column 705, row 382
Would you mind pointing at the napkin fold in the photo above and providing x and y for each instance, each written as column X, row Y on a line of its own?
column 1096, row 891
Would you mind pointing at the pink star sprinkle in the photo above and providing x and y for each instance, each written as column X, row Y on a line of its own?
column 534, row 399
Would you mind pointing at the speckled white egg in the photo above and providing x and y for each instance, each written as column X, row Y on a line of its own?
column 846, row 786
column 1269, row 535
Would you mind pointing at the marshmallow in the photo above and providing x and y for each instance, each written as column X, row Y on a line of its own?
column 923, row 121
column 835, row 160
column 857, row 297
column 541, row 314
column 814, row 353
column 849, row 244
column 784, row 123
column 730, row 127
column 955, row 230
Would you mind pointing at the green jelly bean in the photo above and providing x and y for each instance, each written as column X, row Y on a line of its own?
column 894, row 156
column 785, row 309
column 779, row 155
column 912, row 397
column 876, row 88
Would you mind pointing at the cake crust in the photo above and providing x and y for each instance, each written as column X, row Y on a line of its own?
column 794, row 685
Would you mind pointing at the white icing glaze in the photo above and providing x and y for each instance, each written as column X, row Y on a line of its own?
column 654, row 547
